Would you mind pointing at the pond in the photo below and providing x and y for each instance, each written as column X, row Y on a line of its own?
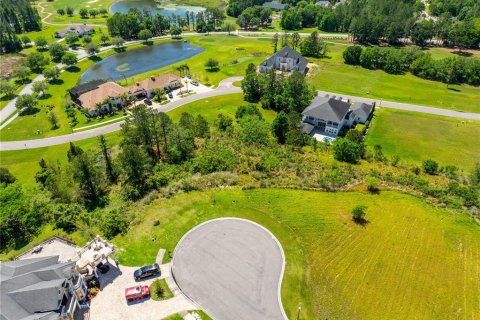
column 140, row 60
column 167, row 10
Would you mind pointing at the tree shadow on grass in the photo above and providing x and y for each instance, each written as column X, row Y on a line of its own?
column 73, row 69
column 30, row 112
column 94, row 58
column 361, row 222
column 56, row 82
column 212, row 70
column 121, row 49
column 45, row 96
column 463, row 53
column 454, row 89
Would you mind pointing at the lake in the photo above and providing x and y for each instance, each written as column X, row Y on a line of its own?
column 140, row 60
column 167, row 10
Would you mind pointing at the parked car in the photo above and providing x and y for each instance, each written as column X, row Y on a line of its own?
column 148, row 102
column 170, row 95
column 146, row 271
column 137, row 292
column 189, row 76
column 195, row 83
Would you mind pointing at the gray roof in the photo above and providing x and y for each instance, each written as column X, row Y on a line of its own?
column 78, row 28
column 275, row 5
column 286, row 51
column 325, row 4
column 29, row 289
column 307, row 127
column 362, row 109
column 327, row 108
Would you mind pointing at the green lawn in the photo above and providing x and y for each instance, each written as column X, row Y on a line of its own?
column 410, row 261
column 335, row 76
column 211, row 107
column 233, row 54
column 160, row 283
column 417, row 136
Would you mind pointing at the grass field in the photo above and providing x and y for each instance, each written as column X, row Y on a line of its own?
column 233, row 54
column 211, row 107
column 410, row 261
column 417, row 136
column 335, row 76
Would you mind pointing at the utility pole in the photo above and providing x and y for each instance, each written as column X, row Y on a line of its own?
column 299, row 309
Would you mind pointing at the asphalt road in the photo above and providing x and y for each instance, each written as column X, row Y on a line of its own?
column 232, row 269
column 408, row 107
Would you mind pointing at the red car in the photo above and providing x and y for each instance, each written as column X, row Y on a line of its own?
column 135, row 293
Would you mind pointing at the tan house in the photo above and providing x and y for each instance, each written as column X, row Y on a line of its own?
column 107, row 95
column 145, row 87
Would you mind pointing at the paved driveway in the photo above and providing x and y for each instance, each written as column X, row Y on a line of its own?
column 110, row 303
column 231, row 268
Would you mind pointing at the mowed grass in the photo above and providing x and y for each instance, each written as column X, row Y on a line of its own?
column 233, row 54
column 333, row 75
column 410, row 261
column 417, row 137
column 210, row 108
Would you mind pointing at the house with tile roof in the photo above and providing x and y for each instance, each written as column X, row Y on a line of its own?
column 330, row 115
column 107, row 95
column 146, row 87
column 40, row 288
column 285, row 60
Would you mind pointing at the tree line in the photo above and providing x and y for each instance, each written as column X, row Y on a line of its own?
column 16, row 17
column 142, row 24
column 399, row 60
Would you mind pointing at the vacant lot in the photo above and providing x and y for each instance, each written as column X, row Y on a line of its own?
column 417, row 136
column 335, row 76
column 410, row 261
column 210, row 108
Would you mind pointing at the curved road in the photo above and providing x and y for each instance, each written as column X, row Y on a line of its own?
column 225, row 87
column 232, row 268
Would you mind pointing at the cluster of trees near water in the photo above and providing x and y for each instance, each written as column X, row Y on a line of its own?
column 16, row 17
column 399, row 60
column 136, row 22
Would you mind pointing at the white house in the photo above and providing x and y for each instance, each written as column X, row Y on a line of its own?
column 329, row 115
column 286, row 60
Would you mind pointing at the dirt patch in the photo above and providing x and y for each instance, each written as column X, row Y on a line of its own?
column 8, row 63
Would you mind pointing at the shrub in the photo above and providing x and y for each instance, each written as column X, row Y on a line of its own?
column 346, row 150
column 430, row 167
column 372, row 184
column 359, row 212
column 351, row 55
